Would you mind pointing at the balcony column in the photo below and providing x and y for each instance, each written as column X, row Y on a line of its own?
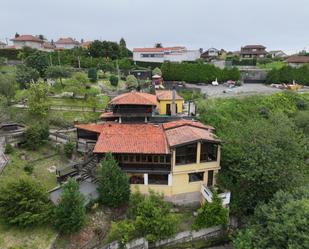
column 146, row 120
column 198, row 154
column 145, row 179
column 120, row 120
column 170, row 179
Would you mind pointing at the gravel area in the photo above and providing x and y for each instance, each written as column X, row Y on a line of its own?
column 223, row 91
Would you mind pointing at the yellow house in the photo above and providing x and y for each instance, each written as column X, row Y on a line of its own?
column 179, row 159
column 165, row 101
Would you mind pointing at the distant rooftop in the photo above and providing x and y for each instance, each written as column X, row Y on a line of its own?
column 159, row 49
column 27, row 38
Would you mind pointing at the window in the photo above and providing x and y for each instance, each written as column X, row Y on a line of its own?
column 210, row 178
column 144, row 158
column 131, row 158
column 186, row 154
column 196, row 177
column 149, row 159
column 158, row 179
column 138, row 158
column 155, row 159
column 162, row 159
column 209, row 152
column 136, row 179
column 125, row 158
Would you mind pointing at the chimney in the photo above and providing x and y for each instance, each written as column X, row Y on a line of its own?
column 174, row 101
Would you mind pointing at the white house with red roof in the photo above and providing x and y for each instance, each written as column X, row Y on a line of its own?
column 160, row 55
column 27, row 41
column 66, row 43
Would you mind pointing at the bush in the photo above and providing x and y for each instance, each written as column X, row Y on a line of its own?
column 195, row 73
column 8, row 149
column 92, row 74
column 301, row 104
column 122, row 232
column 36, row 135
column 28, row 168
column 23, row 202
column 113, row 80
column 157, row 71
column 287, row 74
column 68, row 148
column 132, row 82
column 211, row 214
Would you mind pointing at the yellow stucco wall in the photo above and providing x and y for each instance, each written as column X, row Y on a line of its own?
column 161, row 106
column 180, row 177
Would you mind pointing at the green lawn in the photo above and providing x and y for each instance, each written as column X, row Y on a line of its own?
column 272, row 65
column 107, row 85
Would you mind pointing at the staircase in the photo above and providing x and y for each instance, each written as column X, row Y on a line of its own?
column 88, row 170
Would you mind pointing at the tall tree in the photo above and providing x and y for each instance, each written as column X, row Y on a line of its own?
column 39, row 61
column 58, row 72
column 123, row 48
column 113, row 188
column 70, row 213
column 25, row 75
column 37, row 100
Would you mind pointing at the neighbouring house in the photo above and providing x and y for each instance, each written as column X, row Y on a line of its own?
column 165, row 102
column 85, row 44
column 179, row 159
column 253, row 51
column 277, row 54
column 210, row 53
column 297, row 60
column 48, row 47
column 142, row 107
column 27, row 41
column 66, row 43
column 2, row 44
column 160, row 55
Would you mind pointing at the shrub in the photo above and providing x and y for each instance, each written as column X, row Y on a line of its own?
column 92, row 74
column 70, row 213
column 122, row 232
column 132, row 82
column 301, row 104
column 8, row 149
column 29, row 168
column 23, row 202
column 68, row 148
column 157, row 71
column 113, row 80
column 211, row 214
column 113, row 187
column 36, row 135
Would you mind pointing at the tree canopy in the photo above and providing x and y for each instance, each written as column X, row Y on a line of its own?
column 25, row 75
column 7, row 87
column 37, row 100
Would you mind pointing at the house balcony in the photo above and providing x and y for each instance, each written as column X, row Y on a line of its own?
column 207, row 194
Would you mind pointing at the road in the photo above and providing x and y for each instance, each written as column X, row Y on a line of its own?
column 244, row 90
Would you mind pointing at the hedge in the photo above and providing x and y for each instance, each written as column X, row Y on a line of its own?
column 287, row 74
column 151, row 65
column 10, row 54
column 195, row 73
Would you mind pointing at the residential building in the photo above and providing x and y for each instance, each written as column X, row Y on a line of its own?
column 277, row 54
column 253, row 51
column 48, row 47
column 27, row 41
column 165, row 102
column 2, row 44
column 160, row 55
column 179, row 159
column 141, row 107
column 297, row 60
column 85, row 44
column 210, row 53
column 66, row 43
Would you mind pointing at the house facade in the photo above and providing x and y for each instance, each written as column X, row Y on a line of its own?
column 210, row 53
column 297, row 60
column 253, row 51
column 27, row 41
column 165, row 102
column 178, row 159
column 160, row 55
column 2, row 44
column 277, row 54
column 66, row 43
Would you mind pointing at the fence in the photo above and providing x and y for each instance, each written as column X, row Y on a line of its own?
column 187, row 236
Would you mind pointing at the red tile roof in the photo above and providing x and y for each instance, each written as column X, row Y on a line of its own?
column 107, row 115
column 68, row 40
column 167, row 95
column 298, row 59
column 134, row 98
column 158, row 49
column 27, row 38
column 147, row 138
column 128, row 138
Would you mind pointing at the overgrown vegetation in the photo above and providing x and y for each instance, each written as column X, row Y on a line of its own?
column 289, row 74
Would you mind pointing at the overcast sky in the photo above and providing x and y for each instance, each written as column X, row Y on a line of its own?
column 228, row 24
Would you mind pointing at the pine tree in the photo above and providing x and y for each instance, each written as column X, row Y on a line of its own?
column 70, row 213
column 114, row 188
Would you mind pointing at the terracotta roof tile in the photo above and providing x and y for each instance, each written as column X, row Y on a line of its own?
column 167, row 95
column 68, row 40
column 129, row 138
column 134, row 98
column 27, row 38
column 158, row 49
column 298, row 59
column 184, row 122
